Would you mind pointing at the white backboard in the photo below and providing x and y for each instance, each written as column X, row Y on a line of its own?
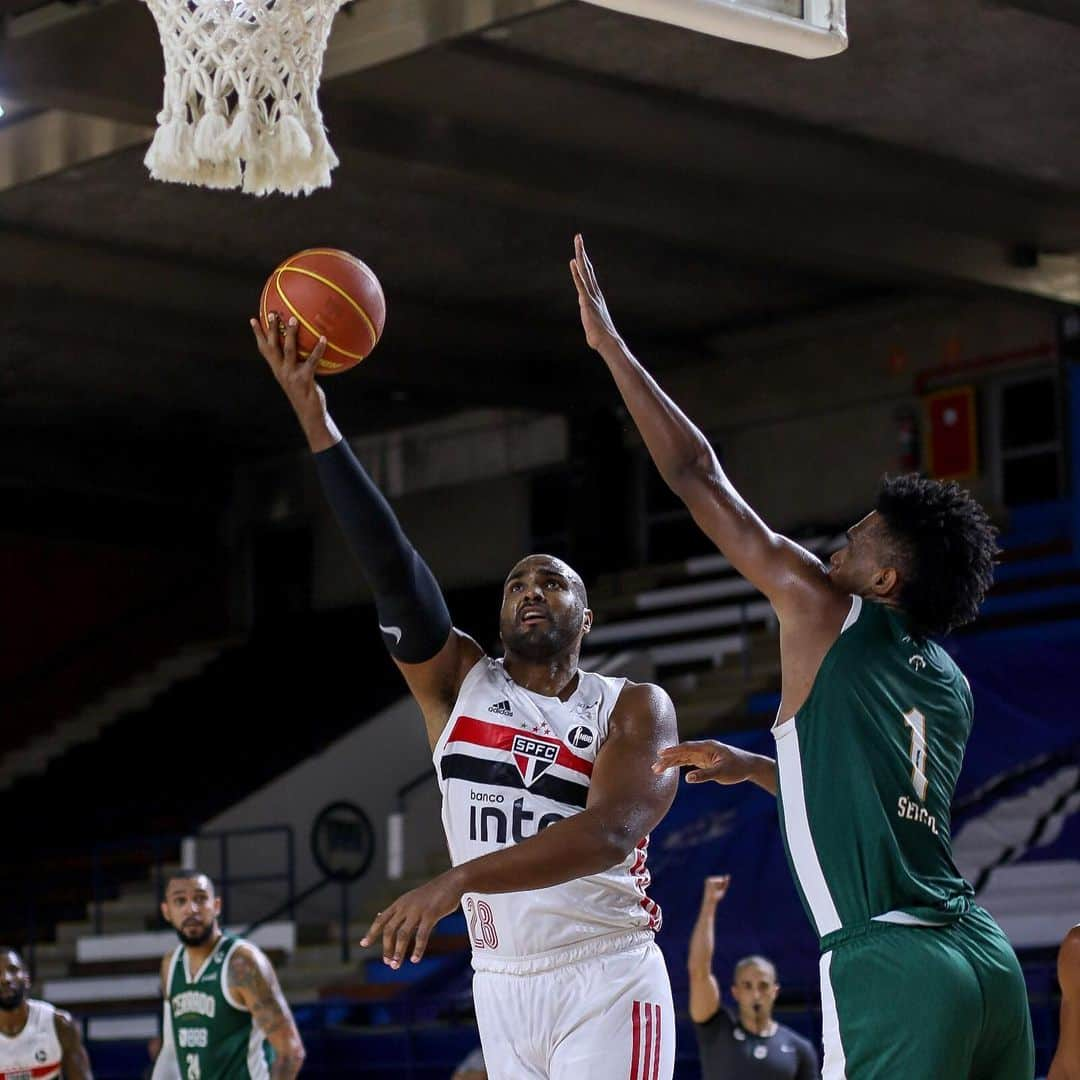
column 806, row 28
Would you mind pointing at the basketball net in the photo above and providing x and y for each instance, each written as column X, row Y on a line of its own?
column 241, row 84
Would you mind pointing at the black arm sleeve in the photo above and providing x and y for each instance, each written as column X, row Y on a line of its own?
column 412, row 612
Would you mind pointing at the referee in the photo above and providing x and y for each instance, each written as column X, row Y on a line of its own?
column 751, row 1046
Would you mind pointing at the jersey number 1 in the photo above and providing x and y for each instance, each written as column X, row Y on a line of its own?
column 917, row 722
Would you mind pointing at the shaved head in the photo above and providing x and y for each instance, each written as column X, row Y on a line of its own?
column 553, row 564
column 545, row 610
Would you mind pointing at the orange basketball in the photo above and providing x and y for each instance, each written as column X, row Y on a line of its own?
column 330, row 293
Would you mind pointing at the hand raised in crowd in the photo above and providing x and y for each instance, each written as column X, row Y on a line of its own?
column 715, row 889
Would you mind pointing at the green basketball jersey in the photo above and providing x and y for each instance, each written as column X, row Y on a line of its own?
column 215, row 1038
column 867, row 770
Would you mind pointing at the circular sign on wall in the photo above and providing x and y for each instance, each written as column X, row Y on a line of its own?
column 342, row 841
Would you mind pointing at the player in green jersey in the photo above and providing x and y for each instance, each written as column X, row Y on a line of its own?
column 225, row 1017
column 917, row 981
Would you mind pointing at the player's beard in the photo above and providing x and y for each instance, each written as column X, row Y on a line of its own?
column 539, row 641
column 195, row 937
column 11, row 1000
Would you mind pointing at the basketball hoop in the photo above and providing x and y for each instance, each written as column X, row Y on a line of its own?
column 241, row 102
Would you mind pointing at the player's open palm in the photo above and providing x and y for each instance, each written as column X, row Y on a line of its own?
column 295, row 374
column 595, row 317
column 708, row 760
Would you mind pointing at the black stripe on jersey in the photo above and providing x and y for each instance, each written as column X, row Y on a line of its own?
column 503, row 774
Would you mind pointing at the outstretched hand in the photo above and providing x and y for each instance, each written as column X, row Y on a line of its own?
column 408, row 922
column 710, row 760
column 296, row 376
column 595, row 317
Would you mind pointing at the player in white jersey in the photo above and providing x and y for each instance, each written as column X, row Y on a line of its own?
column 548, row 793
column 37, row 1041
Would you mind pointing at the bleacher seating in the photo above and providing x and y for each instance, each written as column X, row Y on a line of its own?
column 197, row 748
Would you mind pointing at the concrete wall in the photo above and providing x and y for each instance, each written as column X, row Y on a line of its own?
column 460, row 487
column 365, row 767
column 469, row 534
column 803, row 416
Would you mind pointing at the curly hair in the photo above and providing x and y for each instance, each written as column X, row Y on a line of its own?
column 946, row 546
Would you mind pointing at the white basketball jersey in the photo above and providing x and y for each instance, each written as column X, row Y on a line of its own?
column 33, row 1054
column 511, row 762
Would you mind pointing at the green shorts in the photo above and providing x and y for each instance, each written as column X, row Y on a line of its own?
column 926, row 1003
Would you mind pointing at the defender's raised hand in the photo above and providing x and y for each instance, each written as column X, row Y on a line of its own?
column 296, row 376
column 595, row 317
column 716, row 761
column 715, row 889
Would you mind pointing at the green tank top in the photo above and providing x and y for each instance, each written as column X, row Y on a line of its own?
column 867, row 770
column 215, row 1039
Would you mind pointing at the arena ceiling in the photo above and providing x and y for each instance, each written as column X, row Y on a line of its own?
column 721, row 188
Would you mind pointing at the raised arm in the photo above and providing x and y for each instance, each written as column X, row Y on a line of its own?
column 413, row 617
column 791, row 577
column 252, row 981
column 704, row 989
column 626, row 801
column 74, row 1060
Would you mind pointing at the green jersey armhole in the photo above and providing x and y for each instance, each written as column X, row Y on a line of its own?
column 827, row 662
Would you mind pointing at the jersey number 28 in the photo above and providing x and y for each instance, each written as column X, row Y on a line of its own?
column 481, row 924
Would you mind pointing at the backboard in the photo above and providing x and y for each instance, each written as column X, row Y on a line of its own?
column 806, row 28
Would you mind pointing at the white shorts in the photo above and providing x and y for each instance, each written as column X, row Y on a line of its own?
column 607, row 1017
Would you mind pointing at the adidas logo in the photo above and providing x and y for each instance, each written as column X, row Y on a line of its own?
column 501, row 708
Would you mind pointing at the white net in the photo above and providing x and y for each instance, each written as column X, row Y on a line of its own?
column 241, row 94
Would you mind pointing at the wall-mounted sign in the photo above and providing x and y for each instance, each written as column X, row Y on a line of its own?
column 342, row 841
column 952, row 442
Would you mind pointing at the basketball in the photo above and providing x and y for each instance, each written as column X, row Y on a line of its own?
column 330, row 293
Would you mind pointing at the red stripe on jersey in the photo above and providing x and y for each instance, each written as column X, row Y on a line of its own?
column 500, row 737
column 648, row 1041
column 641, row 853
column 652, row 909
column 637, row 1041
column 656, row 1058
column 642, row 879
column 38, row 1072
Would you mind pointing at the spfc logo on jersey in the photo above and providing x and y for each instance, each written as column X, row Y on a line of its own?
column 533, row 755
